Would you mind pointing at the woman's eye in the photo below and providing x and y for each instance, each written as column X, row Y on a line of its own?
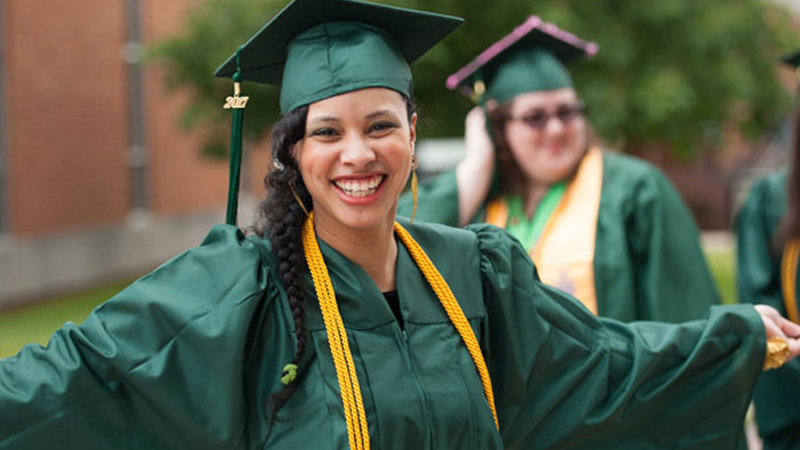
column 380, row 127
column 324, row 132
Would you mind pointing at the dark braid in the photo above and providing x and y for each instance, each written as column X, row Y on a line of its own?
column 281, row 219
column 789, row 227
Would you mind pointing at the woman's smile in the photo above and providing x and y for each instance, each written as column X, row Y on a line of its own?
column 359, row 187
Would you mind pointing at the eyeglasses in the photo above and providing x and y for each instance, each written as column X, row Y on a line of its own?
column 538, row 118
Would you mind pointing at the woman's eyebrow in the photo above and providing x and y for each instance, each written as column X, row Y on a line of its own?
column 324, row 119
column 381, row 112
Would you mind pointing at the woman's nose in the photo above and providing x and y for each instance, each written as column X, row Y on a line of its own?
column 554, row 125
column 357, row 152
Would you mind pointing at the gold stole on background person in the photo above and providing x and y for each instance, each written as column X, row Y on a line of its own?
column 791, row 254
column 564, row 253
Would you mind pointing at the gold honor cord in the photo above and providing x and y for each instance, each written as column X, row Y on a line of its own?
column 448, row 300
column 789, row 277
column 357, row 430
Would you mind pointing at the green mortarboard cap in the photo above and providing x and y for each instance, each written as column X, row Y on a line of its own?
column 530, row 58
column 792, row 59
column 316, row 49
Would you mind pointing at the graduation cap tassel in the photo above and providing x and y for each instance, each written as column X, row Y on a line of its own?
column 237, row 104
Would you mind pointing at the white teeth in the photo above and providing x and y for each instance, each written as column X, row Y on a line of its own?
column 361, row 187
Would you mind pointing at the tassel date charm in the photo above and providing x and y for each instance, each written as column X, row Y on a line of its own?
column 236, row 101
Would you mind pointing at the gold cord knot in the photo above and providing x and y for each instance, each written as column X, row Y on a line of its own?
column 777, row 353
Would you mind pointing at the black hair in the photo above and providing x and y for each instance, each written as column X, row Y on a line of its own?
column 512, row 178
column 789, row 227
column 280, row 218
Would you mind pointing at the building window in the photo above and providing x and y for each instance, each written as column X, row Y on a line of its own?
column 137, row 147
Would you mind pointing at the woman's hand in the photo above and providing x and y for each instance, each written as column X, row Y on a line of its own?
column 476, row 136
column 778, row 326
column 474, row 172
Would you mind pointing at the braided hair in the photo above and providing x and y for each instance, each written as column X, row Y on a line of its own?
column 280, row 218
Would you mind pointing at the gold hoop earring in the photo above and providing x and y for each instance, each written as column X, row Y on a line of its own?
column 414, row 185
column 297, row 197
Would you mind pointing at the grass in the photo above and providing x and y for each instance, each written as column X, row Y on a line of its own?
column 36, row 323
column 723, row 268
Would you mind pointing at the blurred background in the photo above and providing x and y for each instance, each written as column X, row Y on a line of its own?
column 113, row 138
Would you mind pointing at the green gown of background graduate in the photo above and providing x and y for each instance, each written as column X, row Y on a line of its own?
column 759, row 279
column 647, row 264
column 187, row 357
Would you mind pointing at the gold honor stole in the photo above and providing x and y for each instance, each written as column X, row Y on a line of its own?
column 789, row 278
column 564, row 253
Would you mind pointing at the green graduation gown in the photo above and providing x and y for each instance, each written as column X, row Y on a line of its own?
column 759, row 278
column 186, row 358
column 648, row 264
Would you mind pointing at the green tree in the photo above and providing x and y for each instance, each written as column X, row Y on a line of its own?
column 670, row 73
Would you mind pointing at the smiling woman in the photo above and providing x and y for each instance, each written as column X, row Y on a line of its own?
column 332, row 325
column 355, row 160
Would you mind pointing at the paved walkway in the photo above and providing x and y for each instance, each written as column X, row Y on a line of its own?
column 718, row 241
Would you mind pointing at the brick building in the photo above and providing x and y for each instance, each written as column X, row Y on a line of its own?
column 97, row 179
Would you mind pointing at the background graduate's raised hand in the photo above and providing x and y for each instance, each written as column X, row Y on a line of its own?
column 476, row 134
column 474, row 173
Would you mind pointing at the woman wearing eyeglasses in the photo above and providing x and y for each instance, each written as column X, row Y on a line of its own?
column 608, row 228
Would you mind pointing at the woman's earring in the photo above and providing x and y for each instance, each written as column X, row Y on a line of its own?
column 299, row 200
column 414, row 185
column 292, row 180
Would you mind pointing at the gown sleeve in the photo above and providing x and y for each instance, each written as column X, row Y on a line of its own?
column 759, row 281
column 673, row 281
column 157, row 366
column 437, row 201
column 564, row 378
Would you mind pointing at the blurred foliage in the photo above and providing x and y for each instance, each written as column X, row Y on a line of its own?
column 671, row 73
